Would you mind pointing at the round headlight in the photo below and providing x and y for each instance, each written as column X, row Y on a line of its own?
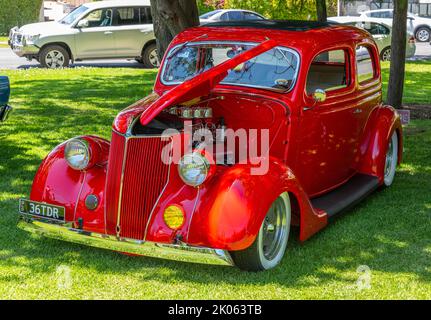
column 77, row 154
column 193, row 169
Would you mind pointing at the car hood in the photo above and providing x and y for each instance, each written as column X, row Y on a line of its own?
column 43, row 28
column 203, row 83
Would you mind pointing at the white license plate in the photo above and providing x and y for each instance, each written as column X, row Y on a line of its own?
column 43, row 210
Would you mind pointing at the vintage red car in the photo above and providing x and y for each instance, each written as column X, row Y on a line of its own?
column 253, row 127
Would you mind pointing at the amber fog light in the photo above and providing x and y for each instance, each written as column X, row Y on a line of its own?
column 174, row 217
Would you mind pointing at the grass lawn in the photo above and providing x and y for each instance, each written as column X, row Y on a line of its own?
column 3, row 42
column 389, row 232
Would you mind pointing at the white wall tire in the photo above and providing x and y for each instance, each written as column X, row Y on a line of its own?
column 391, row 160
column 269, row 247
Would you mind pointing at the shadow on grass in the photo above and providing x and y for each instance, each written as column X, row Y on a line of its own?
column 389, row 232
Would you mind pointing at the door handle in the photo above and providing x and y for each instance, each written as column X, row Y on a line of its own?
column 357, row 111
column 108, row 32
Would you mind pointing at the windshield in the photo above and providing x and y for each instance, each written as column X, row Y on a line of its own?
column 73, row 15
column 274, row 69
column 209, row 14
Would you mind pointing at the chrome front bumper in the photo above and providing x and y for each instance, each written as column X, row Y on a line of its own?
column 19, row 46
column 178, row 252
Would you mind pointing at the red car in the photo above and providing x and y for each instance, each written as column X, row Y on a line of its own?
column 253, row 127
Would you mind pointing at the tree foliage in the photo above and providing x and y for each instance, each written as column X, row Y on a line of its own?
column 18, row 13
column 272, row 9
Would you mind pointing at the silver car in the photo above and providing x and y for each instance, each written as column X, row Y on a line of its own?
column 96, row 30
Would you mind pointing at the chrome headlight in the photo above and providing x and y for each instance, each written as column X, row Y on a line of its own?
column 193, row 169
column 77, row 154
column 31, row 38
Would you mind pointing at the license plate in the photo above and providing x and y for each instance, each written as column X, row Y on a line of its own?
column 43, row 210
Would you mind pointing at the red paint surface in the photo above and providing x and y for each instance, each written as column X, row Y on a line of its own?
column 311, row 151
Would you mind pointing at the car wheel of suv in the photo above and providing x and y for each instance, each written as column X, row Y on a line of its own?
column 423, row 34
column 385, row 55
column 150, row 59
column 54, row 57
column 391, row 160
column 270, row 245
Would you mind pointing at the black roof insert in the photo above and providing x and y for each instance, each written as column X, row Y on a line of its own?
column 290, row 25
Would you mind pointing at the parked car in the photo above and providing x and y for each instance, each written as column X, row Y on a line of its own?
column 419, row 26
column 96, row 30
column 315, row 140
column 381, row 32
column 229, row 15
column 5, row 109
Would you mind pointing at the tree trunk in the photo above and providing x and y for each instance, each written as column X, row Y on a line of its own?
column 321, row 10
column 170, row 17
column 398, row 54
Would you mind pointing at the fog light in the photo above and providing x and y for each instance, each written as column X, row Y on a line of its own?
column 174, row 217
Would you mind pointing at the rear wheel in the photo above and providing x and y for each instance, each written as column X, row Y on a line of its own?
column 54, row 57
column 270, row 244
column 391, row 160
column 423, row 34
column 150, row 59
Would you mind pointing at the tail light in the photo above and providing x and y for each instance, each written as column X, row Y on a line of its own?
column 411, row 39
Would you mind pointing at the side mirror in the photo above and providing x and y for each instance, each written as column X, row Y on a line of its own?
column 83, row 23
column 319, row 95
column 4, row 98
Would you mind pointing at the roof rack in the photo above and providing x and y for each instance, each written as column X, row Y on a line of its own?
column 290, row 25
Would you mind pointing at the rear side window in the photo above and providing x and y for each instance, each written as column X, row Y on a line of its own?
column 364, row 64
column 328, row 71
column 127, row 16
column 251, row 16
column 146, row 17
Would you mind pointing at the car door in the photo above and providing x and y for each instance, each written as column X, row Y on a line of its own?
column 329, row 130
column 96, row 40
column 133, row 29
column 380, row 33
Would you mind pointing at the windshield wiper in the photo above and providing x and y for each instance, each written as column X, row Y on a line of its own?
column 177, row 49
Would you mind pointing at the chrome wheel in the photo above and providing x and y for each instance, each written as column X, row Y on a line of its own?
column 154, row 58
column 54, row 59
column 391, row 160
column 386, row 55
column 423, row 35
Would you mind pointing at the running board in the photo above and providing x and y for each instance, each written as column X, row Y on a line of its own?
column 347, row 195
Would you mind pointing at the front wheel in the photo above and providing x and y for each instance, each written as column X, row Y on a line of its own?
column 54, row 57
column 270, row 245
column 385, row 55
column 391, row 160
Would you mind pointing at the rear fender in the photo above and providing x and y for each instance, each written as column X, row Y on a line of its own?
column 232, row 206
column 383, row 122
column 58, row 184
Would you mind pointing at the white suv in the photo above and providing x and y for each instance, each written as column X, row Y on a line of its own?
column 419, row 26
column 96, row 30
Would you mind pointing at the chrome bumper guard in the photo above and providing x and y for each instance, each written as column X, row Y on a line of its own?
column 19, row 45
column 178, row 252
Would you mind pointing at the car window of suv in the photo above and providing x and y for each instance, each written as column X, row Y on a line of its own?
column 328, row 71
column 126, row 16
column 99, row 18
column 364, row 64
column 145, row 15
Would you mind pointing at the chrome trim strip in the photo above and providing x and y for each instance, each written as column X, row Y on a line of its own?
column 178, row 252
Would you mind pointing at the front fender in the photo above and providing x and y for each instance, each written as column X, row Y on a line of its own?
column 232, row 206
column 58, row 184
column 383, row 122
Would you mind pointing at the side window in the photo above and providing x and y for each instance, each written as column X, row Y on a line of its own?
column 99, row 18
column 145, row 15
column 251, row 16
column 235, row 15
column 224, row 17
column 328, row 71
column 364, row 64
column 126, row 16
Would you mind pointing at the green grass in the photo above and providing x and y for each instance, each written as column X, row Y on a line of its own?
column 417, row 85
column 3, row 42
column 389, row 232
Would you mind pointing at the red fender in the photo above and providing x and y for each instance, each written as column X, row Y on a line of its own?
column 231, row 209
column 382, row 123
column 57, row 183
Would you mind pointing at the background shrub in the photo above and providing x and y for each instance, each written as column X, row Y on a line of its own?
column 17, row 13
